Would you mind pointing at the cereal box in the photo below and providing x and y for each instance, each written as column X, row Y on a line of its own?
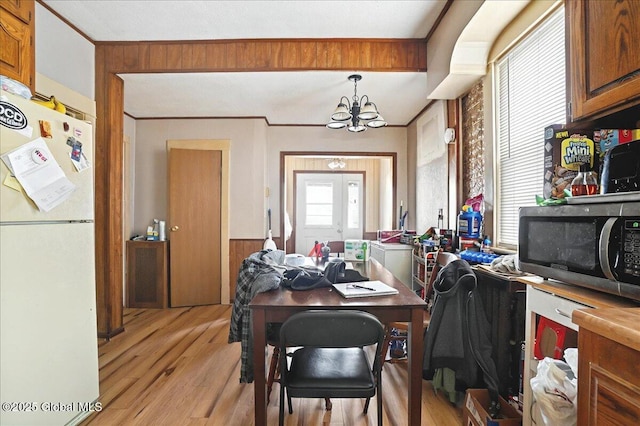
column 564, row 151
column 608, row 138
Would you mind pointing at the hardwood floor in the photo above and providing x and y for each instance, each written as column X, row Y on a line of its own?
column 175, row 367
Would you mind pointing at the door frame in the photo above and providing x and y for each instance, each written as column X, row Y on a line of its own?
column 223, row 145
column 126, row 209
column 323, row 154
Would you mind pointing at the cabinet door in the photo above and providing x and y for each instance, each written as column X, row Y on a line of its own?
column 22, row 9
column 608, row 382
column 17, row 50
column 604, row 65
column 147, row 274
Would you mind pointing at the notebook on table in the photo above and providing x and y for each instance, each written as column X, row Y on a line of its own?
column 364, row 289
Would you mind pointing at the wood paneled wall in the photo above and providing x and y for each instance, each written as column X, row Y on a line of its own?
column 238, row 251
column 408, row 55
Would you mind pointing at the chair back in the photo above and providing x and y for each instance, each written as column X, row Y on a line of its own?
column 332, row 329
column 443, row 258
column 336, row 247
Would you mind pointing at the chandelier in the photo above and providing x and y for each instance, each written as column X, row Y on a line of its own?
column 361, row 117
column 337, row 163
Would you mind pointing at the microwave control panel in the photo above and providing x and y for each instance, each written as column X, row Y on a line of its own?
column 631, row 247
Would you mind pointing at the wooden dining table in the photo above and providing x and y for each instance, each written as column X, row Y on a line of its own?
column 278, row 305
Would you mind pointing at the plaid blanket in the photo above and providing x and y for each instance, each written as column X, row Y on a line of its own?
column 258, row 273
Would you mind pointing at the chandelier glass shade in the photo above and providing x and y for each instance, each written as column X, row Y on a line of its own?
column 354, row 117
column 337, row 163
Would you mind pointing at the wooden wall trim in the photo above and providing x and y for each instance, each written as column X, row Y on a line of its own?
column 266, row 55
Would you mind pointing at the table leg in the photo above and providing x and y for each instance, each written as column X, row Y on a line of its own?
column 415, row 350
column 259, row 343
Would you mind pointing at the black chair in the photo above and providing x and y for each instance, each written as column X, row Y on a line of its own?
column 331, row 361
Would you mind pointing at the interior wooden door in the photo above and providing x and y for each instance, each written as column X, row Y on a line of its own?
column 194, row 226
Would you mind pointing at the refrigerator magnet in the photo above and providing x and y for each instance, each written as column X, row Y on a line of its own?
column 38, row 156
column 45, row 129
column 76, row 151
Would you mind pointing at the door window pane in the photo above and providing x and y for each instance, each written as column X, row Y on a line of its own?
column 353, row 205
column 319, row 209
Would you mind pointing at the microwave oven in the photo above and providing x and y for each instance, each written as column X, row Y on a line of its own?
column 590, row 245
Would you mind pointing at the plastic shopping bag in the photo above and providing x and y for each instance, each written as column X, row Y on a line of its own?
column 555, row 389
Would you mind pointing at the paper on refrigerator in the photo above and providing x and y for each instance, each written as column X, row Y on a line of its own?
column 39, row 174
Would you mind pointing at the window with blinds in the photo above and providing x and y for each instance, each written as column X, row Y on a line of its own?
column 530, row 95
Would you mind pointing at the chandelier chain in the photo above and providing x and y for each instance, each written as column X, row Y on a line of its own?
column 355, row 91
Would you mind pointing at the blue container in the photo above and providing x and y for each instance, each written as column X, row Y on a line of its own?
column 469, row 224
column 477, row 257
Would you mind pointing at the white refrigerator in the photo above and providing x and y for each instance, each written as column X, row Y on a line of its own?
column 48, row 340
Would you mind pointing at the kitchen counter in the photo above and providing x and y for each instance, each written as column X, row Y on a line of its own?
column 585, row 296
column 619, row 325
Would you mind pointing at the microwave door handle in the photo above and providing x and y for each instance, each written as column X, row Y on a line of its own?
column 603, row 246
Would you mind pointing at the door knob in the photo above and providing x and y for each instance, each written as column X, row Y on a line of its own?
column 174, row 228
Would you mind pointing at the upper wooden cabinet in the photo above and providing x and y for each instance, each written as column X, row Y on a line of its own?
column 604, row 64
column 17, row 47
column 22, row 9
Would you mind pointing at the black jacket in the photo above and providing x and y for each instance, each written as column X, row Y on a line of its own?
column 458, row 333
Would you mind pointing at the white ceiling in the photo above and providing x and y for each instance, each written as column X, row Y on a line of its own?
column 307, row 97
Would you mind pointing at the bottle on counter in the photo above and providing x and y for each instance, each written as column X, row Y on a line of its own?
column 585, row 182
column 578, row 186
column 591, row 182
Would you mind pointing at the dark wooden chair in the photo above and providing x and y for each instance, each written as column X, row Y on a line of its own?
column 336, row 247
column 274, row 370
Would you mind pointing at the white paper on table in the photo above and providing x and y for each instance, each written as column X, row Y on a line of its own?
column 39, row 174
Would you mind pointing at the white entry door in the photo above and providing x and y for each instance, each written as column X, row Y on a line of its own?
column 329, row 207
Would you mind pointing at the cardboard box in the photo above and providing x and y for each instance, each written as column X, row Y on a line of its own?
column 608, row 138
column 357, row 250
column 564, row 152
column 475, row 410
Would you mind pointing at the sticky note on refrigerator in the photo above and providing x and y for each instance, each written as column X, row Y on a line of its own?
column 11, row 182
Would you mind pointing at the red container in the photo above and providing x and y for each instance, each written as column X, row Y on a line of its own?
column 551, row 339
column 389, row 236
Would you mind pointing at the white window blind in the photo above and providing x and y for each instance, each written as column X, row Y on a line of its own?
column 530, row 95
